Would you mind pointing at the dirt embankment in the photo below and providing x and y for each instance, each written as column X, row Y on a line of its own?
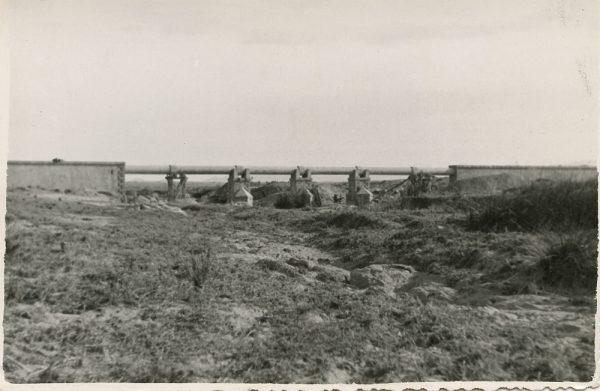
column 102, row 292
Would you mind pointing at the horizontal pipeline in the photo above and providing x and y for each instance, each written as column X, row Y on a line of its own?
column 261, row 170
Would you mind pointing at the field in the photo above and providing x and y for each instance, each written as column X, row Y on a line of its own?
column 429, row 289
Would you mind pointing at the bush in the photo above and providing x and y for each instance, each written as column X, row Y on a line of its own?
column 290, row 200
column 543, row 205
column 571, row 263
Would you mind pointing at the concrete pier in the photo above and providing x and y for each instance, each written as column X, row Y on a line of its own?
column 178, row 192
column 358, row 187
column 239, row 184
column 300, row 179
column 170, row 189
column 181, row 186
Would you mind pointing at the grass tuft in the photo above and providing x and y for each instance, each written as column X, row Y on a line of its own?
column 571, row 263
column 198, row 264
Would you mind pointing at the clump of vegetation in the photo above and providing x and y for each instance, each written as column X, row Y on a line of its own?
column 353, row 220
column 405, row 203
column 291, row 200
column 571, row 263
column 543, row 205
column 198, row 264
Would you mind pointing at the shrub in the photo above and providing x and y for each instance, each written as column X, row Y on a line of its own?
column 571, row 263
column 290, row 200
column 543, row 205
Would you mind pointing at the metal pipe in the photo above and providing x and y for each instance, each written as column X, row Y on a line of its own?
column 146, row 169
column 281, row 170
column 205, row 170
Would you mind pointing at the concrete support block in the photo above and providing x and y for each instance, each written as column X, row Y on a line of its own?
column 300, row 179
column 363, row 196
column 357, row 180
column 238, row 192
column 242, row 197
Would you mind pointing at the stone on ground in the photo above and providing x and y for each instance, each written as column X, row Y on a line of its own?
column 387, row 277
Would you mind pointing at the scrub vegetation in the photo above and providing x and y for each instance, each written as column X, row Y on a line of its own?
column 496, row 288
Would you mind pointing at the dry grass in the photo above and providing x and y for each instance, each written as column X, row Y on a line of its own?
column 122, row 303
column 198, row 263
column 545, row 205
column 570, row 263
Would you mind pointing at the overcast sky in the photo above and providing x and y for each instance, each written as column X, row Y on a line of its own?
column 372, row 83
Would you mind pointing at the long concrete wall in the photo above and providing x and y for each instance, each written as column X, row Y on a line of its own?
column 74, row 176
column 524, row 173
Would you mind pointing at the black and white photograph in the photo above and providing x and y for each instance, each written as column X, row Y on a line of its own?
column 300, row 192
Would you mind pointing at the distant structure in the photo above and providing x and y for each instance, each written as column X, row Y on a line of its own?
column 110, row 176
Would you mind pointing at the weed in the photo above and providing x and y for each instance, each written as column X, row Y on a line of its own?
column 464, row 257
column 411, row 202
column 354, row 220
column 198, row 264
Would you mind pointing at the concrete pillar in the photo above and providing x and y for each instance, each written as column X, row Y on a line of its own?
column 300, row 179
column 358, row 188
column 238, row 192
column 350, row 196
column 294, row 178
column 170, row 189
column 183, row 181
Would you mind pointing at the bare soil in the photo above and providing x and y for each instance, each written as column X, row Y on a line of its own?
column 96, row 291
